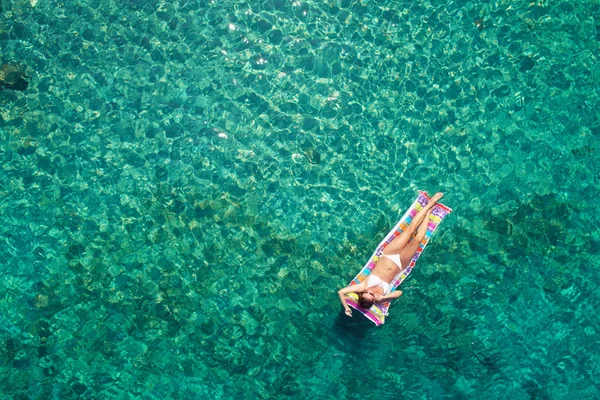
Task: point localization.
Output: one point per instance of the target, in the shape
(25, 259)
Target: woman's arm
(394, 295)
(349, 289)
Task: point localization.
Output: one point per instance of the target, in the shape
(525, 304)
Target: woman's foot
(434, 200)
(436, 197)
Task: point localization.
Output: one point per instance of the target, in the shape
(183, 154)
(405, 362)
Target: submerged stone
(526, 64)
(12, 76)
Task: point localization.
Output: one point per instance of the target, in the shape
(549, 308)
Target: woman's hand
(378, 297)
(359, 287)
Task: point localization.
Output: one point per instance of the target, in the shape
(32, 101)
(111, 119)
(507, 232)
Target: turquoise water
(185, 185)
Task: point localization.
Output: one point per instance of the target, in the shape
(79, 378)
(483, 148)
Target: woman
(396, 254)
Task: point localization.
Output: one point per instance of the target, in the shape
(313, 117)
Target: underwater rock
(41, 301)
(13, 76)
(526, 64)
(313, 156)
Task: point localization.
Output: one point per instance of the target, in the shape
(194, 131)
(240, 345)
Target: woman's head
(366, 300)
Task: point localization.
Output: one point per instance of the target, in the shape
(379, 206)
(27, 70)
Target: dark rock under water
(13, 76)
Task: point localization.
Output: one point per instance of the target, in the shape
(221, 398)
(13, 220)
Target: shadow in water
(355, 327)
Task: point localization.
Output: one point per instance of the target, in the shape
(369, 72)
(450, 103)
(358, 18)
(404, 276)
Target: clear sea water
(185, 185)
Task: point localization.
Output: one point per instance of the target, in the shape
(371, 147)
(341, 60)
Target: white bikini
(374, 280)
(395, 258)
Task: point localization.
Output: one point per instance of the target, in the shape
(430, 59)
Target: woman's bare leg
(398, 244)
(411, 248)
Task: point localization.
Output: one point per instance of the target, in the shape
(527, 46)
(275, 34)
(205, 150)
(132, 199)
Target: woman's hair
(364, 302)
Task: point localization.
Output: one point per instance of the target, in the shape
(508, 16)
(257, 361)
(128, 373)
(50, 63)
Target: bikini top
(374, 280)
